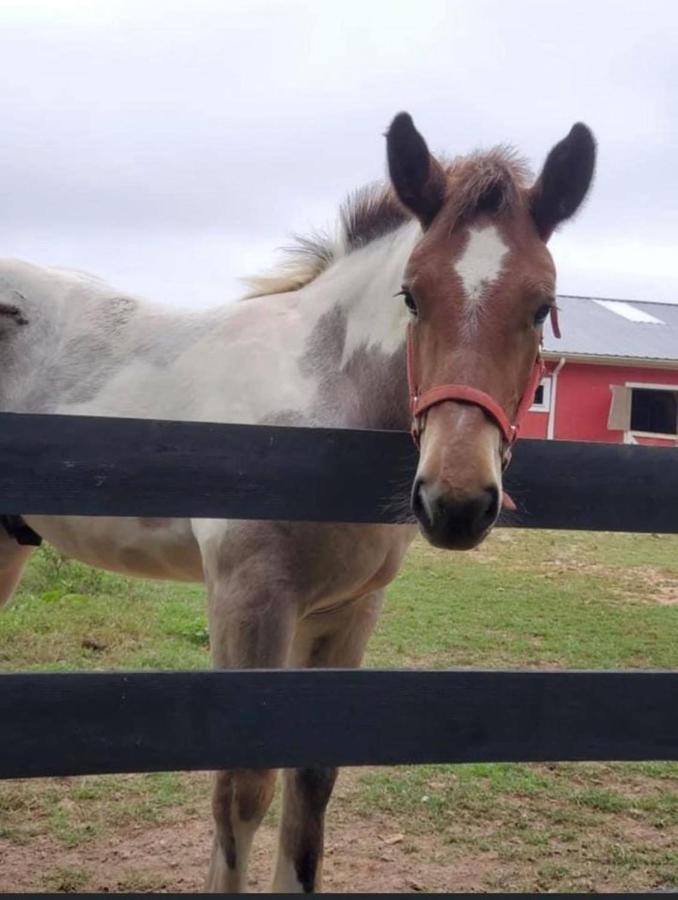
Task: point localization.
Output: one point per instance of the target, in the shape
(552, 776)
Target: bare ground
(363, 856)
(174, 858)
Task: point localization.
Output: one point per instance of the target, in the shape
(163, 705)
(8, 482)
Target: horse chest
(333, 563)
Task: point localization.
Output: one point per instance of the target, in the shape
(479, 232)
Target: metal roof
(595, 326)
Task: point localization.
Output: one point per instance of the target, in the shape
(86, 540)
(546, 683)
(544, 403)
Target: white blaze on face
(480, 264)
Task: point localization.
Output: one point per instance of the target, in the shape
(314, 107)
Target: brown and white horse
(446, 270)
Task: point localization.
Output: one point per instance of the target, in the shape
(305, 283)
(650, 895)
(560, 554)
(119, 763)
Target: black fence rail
(56, 724)
(77, 724)
(72, 465)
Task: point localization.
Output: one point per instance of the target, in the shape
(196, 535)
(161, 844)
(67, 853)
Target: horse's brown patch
(13, 313)
(222, 801)
(306, 797)
(346, 393)
(154, 524)
(254, 791)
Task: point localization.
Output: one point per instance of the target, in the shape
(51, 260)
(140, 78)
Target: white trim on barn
(649, 386)
(545, 405)
(635, 361)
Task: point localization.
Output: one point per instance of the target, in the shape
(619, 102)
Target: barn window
(653, 411)
(542, 397)
(649, 410)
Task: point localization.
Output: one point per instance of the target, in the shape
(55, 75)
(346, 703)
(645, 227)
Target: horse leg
(249, 628)
(13, 558)
(331, 640)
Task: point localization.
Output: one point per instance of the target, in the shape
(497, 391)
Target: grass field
(541, 599)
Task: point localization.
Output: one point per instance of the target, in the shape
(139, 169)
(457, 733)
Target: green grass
(436, 793)
(67, 616)
(512, 603)
(525, 599)
(78, 810)
(65, 879)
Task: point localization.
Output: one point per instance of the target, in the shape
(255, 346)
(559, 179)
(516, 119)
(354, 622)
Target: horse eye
(409, 301)
(541, 314)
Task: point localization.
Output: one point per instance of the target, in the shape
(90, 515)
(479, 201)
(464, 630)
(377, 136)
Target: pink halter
(421, 401)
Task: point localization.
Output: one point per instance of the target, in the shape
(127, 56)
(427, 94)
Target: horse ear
(418, 178)
(564, 181)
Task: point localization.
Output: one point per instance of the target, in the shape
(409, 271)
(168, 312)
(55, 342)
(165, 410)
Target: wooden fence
(61, 724)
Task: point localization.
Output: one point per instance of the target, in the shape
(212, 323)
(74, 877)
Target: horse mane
(491, 181)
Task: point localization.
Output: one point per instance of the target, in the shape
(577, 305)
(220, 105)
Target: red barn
(613, 376)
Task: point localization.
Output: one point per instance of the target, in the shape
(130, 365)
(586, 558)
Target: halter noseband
(420, 401)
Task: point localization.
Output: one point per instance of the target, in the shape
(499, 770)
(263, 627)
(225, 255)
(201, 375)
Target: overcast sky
(170, 147)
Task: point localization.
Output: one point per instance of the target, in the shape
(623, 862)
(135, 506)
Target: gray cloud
(172, 149)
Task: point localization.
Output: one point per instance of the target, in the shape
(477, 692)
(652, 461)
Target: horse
(424, 310)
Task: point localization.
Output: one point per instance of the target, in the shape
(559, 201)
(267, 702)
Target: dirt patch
(639, 584)
(658, 587)
(174, 858)
(372, 855)
(666, 594)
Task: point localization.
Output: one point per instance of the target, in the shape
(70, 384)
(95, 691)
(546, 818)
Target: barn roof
(631, 329)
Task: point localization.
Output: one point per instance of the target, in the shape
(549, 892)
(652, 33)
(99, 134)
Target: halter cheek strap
(420, 402)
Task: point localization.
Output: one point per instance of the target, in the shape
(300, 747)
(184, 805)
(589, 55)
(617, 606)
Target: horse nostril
(488, 507)
(454, 523)
(420, 506)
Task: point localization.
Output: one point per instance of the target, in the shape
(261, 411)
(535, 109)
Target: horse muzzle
(454, 523)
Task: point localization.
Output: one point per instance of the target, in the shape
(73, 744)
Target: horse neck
(356, 349)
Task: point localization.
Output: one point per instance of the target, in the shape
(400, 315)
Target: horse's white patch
(480, 264)
(285, 880)
(366, 284)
